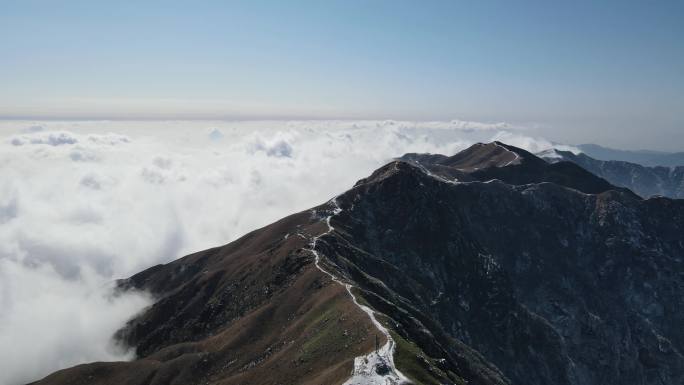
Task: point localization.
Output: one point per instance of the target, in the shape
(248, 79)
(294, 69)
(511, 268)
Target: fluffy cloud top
(84, 203)
(51, 138)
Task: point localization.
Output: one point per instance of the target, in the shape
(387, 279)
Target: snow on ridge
(551, 153)
(365, 367)
(515, 160)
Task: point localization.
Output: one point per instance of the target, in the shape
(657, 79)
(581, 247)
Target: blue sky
(574, 70)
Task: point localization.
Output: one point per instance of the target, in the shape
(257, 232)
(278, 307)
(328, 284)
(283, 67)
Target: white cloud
(215, 134)
(108, 139)
(49, 138)
(533, 145)
(83, 203)
(34, 128)
(49, 323)
(278, 146)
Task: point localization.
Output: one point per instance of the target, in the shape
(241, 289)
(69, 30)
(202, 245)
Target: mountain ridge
(643, 180)
(642, 157)
(515, 167)
(476, 276)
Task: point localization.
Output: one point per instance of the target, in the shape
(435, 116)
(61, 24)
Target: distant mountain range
(488, 267)
(642, 157)
(643, 180)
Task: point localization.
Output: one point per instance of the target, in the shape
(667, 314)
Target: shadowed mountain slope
(496, 160)
(488, 267)
(643, 180)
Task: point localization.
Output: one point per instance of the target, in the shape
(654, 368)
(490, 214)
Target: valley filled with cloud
(85, 203)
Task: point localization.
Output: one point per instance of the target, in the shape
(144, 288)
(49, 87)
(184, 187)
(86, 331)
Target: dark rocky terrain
(643, 180)
(488, 267)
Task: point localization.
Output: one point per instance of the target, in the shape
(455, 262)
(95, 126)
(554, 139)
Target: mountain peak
(391, 169)
(413, 277)
(511, 165)
(484, 155)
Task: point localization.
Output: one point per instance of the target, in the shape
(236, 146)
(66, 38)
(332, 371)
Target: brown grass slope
(256, 311)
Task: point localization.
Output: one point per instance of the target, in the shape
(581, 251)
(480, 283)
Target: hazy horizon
(608, 73)
(530, 131)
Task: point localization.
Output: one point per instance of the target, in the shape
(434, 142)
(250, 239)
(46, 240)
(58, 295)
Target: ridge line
(364, 372)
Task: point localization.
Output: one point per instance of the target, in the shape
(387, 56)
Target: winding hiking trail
(365, 372)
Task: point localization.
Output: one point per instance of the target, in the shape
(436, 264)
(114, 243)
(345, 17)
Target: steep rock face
(643, 180)
(488, 267)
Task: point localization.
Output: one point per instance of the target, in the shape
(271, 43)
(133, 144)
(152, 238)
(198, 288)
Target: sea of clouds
(85, 203)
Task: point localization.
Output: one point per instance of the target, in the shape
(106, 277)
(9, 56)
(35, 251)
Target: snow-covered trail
(365, 366)
(435, 176)
(516, 159)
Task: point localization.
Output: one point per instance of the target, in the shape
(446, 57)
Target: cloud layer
(84, 203)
